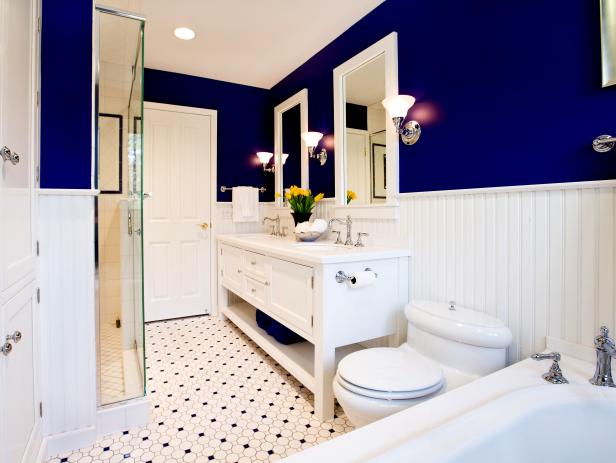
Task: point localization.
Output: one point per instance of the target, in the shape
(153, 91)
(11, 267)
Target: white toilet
(447, 346)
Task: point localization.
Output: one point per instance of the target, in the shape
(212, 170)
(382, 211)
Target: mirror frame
(300, 98)
(608, 38)
(387, 46)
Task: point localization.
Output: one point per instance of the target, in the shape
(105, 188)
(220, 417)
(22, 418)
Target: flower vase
(299, 217)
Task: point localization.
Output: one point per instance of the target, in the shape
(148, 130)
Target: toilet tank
(466, 340)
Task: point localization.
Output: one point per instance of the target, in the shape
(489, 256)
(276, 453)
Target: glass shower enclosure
(119, 237)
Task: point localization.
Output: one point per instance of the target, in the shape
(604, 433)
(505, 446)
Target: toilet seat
(389, 373)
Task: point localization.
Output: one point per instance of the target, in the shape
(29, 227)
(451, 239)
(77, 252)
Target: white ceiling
(248, 42)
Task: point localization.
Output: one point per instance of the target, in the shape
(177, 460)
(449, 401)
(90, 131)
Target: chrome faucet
(605, 349)
(276, 228)
(349, 224)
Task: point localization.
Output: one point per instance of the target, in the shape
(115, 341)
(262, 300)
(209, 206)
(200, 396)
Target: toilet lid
(394, 370)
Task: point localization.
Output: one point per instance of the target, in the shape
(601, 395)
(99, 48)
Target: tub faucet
(276, 229)
(349, 224)
(605, 349)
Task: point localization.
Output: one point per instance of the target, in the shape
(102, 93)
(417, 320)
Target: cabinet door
(291, 294)
(17, 369)
(231, 260)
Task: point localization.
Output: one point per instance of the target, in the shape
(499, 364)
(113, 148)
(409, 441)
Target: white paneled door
(19, 419)
(177, 231)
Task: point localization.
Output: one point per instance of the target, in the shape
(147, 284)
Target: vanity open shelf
(297, 287)
(297, 359)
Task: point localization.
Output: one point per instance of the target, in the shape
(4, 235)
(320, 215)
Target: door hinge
(38, 175)
(39, 24)
(38, 98)
(312, 282)
(312, 320)
(221, 251)
(38, 248)
(38, 295)
(41, 409)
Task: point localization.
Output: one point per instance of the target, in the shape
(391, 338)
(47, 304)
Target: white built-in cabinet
(20, 409)
(302, 293)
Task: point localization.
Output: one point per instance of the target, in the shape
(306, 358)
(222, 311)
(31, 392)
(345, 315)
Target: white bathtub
(510, 416)
(538, 424)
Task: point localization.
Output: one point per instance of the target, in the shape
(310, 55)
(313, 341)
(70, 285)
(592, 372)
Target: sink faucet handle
(338, 240)
(555, 374)
(359, 243)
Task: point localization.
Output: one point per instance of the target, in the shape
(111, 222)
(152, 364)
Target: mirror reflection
(291, 152)
(365, 125)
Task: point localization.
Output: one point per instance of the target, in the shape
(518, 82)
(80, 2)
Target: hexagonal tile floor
(215, 396)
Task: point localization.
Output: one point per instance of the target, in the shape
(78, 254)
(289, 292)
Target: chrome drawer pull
(253, 290)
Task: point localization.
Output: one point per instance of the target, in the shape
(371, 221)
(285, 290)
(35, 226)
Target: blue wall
(508, 93)
(244, 123)
(66, 94)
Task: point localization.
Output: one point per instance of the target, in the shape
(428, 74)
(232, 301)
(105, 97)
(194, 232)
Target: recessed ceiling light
(184, 33)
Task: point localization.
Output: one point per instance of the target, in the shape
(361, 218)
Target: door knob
(6, 348)
(8, 155)
(15, 337)
(204, 226)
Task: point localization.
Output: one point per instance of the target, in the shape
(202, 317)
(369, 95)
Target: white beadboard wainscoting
(542, 258)
(67, 319)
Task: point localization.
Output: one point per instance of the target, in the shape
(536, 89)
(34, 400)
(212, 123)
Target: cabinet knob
(253, 262)
(253, 290)
(15, 337)
(239, 271)
(7, 348)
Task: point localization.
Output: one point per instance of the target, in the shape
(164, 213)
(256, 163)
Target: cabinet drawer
(256, 292)
(256, 264)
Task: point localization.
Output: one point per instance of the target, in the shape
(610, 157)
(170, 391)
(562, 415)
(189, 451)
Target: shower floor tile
(215, 396)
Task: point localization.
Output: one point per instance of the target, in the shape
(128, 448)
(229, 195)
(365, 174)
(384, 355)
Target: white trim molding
(67, 192)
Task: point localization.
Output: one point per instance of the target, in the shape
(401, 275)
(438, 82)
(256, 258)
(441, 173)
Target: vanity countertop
(318, 252)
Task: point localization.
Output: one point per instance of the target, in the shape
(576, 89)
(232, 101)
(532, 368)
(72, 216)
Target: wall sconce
(264, 158)
(312, 140)
(397, 107)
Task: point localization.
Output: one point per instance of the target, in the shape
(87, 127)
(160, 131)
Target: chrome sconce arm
(311, 139)
(398, 106)
(603, 143)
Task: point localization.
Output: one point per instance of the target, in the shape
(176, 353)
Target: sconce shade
(284, 158)
(264, 157)
(312, 138)
(398, 105)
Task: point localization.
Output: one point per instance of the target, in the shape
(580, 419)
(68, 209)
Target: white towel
(245, 200)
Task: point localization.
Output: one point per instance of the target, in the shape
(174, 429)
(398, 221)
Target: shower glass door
(119, 105)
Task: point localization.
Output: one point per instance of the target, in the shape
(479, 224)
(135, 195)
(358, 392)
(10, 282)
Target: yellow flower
(287, 195)
(318, 197)
(350, 196)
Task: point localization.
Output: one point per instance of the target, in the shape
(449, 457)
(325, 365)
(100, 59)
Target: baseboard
(67, 441)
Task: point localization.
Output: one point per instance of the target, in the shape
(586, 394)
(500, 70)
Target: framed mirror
(608, 42)
(290, 151)
(365, 138)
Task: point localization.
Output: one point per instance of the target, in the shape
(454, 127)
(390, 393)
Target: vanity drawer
(255, 292)
(256, 264)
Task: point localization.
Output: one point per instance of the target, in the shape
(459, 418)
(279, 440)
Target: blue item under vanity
(277, 330)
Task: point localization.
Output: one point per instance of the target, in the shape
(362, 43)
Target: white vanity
(295, 284)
